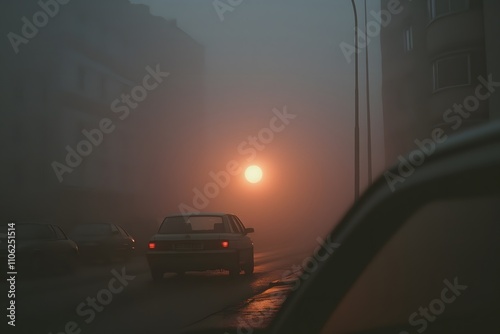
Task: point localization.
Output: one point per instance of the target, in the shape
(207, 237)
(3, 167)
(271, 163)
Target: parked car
(103, 241)
(201, 241)
(421, 258)
(40, 248)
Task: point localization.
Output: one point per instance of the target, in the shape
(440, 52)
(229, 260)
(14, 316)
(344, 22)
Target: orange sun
(253, 174)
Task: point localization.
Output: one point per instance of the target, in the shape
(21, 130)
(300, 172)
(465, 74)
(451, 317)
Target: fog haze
(271, 54)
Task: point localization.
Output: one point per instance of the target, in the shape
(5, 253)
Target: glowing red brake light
(152, 245)
(225, 244)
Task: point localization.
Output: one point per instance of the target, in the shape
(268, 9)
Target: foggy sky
(270, 54)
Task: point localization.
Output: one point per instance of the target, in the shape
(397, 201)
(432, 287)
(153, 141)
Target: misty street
(60, 304)
(249, 166)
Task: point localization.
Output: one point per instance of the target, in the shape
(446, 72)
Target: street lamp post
(368, 116)
(356, 105)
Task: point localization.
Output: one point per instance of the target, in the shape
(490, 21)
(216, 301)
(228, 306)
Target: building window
(452, 71)
(438, 8)
(408, 39)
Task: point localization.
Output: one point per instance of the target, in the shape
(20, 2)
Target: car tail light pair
(224, 244)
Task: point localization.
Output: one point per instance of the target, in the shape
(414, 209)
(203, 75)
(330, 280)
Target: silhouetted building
(64, 77)
(434, 56)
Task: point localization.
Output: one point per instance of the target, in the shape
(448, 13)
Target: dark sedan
(103, 242)
(201, 241)
(40, 248)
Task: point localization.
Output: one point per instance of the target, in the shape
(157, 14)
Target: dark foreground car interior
(422, 258)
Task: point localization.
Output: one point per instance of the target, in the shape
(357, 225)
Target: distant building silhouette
(433, 54)
(65, 79)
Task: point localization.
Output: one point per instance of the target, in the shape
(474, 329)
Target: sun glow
(253, 174)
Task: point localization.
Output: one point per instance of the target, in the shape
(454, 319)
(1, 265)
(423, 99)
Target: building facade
(98, 112)
(435, 54)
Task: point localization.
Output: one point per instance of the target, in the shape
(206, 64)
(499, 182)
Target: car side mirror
(249, 230)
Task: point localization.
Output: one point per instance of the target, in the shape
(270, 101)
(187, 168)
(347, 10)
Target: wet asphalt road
(122, 298)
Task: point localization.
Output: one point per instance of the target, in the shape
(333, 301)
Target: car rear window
(198, 224)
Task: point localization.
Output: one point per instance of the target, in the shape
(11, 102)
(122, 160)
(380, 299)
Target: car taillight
(152, 245)
(224, 244)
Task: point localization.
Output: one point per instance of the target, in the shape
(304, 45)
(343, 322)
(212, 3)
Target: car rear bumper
(172, 261)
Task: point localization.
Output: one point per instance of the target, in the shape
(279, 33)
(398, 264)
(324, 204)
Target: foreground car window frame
(472, 158)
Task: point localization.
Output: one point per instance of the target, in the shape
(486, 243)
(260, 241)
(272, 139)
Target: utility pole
(368, 116)
(356, 104)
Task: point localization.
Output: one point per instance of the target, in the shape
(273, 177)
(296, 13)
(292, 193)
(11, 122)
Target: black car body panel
(40, 248)
(103, 241)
